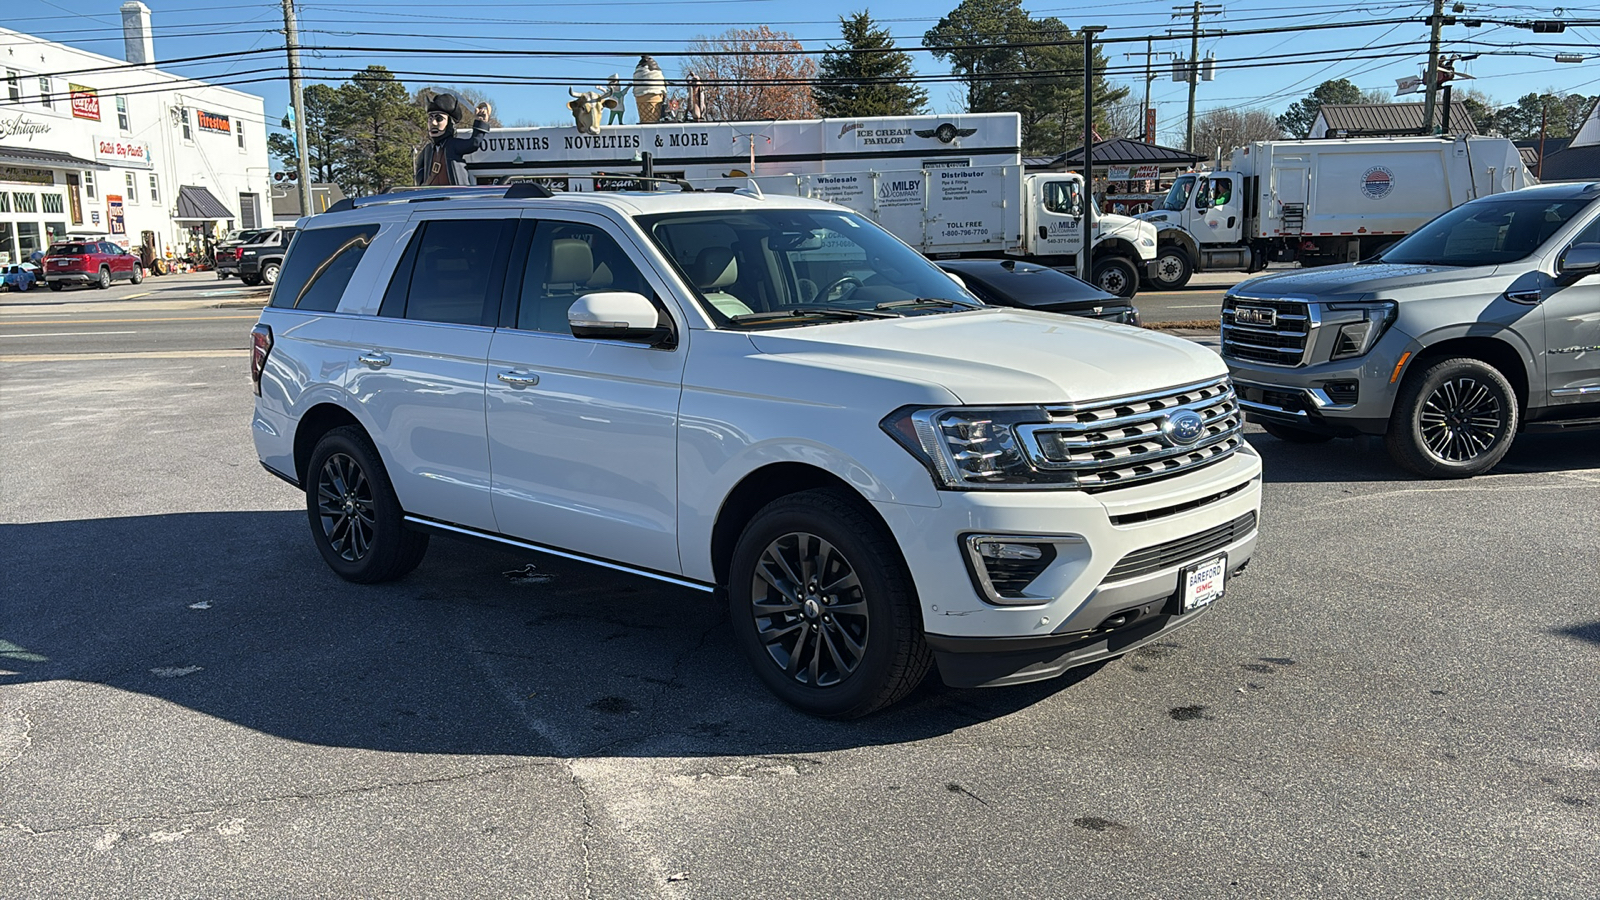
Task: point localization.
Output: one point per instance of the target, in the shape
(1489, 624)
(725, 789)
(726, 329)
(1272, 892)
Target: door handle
(517, 379)
(375, 359)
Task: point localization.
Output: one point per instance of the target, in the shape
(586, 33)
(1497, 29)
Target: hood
(1002, 356)
(1125, 227)
(1358, 280)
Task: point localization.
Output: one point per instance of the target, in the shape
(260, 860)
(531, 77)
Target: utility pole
(1150, 55)
(1431, 83)
(291, 36)
(1195, 12)
(1089, 31)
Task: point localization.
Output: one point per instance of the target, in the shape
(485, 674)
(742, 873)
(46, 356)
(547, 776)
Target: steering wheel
(850, 280)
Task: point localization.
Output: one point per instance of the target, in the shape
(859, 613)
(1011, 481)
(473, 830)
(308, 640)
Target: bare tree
(742, 85)
(1221, 131)
(1121, 120)
(469, 96)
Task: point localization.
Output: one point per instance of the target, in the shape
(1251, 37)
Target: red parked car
(90, 262)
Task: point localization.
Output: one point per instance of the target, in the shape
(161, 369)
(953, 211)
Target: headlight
(1356, 338)
(973, 447)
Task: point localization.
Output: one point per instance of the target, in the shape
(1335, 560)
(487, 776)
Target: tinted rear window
(67, 250)
(319, 266)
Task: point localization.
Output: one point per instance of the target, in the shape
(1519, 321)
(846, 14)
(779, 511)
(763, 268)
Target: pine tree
(867, 84)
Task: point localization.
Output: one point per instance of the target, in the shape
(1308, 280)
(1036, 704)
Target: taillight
(238, 253)
(260, 346)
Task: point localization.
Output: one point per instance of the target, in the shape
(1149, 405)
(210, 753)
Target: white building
(91, 145)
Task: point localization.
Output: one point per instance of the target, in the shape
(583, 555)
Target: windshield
(1179, 194)
(784, 267)
(1485, 233)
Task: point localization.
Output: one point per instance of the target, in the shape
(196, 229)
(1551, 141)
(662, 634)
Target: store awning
(50, 159)
(196, 204)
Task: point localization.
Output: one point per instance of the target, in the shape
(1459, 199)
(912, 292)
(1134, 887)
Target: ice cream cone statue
(649, 90)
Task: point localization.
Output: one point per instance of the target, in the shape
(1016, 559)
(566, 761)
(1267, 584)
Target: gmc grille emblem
(1256, 315)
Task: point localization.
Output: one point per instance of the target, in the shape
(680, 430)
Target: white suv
(771, 396)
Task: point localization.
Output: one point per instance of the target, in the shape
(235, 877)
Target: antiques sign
(22, 126)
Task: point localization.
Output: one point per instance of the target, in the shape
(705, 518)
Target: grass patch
(1207, 324)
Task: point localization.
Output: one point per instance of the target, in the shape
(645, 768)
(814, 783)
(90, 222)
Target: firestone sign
(212, 122)
(122, 153)
(85, 102)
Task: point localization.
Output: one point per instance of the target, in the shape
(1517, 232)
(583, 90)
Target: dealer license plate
(1204, 582)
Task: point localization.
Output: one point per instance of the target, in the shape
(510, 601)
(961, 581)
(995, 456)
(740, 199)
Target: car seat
(714, 269)
(571, 269)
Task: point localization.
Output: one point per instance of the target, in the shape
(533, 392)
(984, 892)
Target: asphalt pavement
(1396, 699)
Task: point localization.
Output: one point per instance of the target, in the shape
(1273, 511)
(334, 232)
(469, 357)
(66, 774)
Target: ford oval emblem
(1184, 426)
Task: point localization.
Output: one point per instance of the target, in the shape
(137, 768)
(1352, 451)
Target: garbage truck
(951, 186)
(1319, 202)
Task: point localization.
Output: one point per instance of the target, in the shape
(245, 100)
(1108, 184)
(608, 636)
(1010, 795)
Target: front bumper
(1076, 610)
(1345, 398)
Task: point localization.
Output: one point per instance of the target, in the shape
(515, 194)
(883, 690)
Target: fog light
(1002, 566)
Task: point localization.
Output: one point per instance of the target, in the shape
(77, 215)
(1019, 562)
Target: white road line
(1201, 306)
(65, 334)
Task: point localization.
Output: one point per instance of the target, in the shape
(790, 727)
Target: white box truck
(1320, 202)
(949, 185)
(996, 211)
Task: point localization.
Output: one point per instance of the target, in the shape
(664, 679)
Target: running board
(458, 531)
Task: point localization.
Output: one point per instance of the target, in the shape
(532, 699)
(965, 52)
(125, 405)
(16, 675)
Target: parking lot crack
(587, 828)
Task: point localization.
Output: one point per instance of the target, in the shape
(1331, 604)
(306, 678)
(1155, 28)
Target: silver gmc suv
(1482, 323)
(770, 398)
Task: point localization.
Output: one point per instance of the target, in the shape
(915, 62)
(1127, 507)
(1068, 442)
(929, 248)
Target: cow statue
(586, 110)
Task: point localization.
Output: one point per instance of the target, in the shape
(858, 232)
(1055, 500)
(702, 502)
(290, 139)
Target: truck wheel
(823, 607)
(1115, 275)
(1171, 270)
(1294, 435)
(56, 285)
(355, 515)
(1454, 420)
(269, 273)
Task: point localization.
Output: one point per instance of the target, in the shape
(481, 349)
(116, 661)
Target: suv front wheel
(823, 606)
(1454, 420)
(356, 520)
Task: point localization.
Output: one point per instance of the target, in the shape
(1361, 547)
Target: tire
(1115, 275)
(105, 279)
(138, 275)
(1295, 435)
(1456, 419)
(870, 624)
(221, 275)
(269, 273)
(250, 280)
(56, 285)
(1172, 268)
(356, 520)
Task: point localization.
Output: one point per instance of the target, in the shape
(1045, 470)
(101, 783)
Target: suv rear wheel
(104, 280)
(355, 516)
(1454, 420)
(823, 607)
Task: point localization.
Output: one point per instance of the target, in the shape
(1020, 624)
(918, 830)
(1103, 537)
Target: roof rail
(519, 191)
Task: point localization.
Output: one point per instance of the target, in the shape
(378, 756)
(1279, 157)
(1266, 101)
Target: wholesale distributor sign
(213, 122)
(85, 101)
(122, 152)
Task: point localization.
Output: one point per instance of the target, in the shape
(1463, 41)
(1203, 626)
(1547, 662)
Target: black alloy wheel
(356, 519)
(1457, 419)
(823, 607)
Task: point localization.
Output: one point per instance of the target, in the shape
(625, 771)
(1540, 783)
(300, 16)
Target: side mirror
(618, 316)
(1076, 209)
(956, 278)
(1579, 261)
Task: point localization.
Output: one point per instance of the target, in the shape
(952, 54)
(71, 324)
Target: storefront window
(5, 202)
(8, 243)
(54, 231)
(28, 238)
(53, 203)
(25, 203)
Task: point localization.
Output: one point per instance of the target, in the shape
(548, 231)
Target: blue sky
(1256, 70)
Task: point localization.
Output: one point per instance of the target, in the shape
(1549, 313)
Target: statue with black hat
(440, 160)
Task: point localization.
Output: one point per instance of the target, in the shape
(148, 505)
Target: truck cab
(1122, 247)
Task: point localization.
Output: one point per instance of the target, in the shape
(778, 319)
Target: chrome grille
(1118, 442)
(1270, 332)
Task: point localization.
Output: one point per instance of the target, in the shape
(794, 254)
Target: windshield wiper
(812, 312)
(926, 301)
